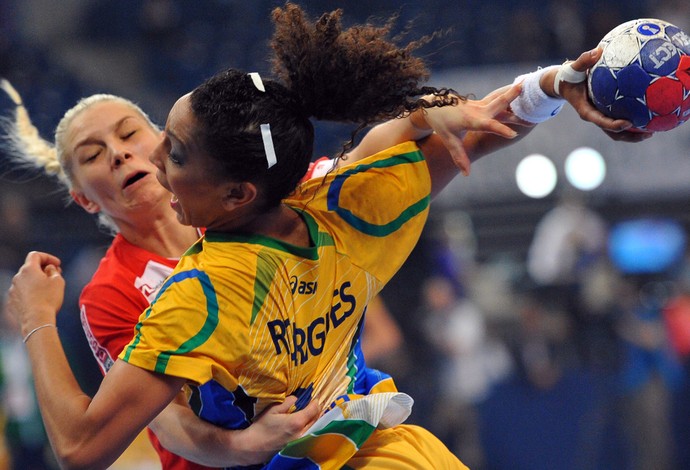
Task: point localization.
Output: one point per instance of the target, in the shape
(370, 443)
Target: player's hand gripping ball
(643, 75)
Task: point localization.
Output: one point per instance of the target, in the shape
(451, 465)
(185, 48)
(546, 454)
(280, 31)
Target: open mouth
(134, 178)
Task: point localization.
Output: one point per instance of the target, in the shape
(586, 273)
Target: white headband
(269, 149)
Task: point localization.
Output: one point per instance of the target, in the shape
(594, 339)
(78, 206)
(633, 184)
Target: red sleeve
(318, 168)
(109, 314)
(111, 305)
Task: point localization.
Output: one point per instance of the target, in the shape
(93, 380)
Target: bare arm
(89, 433)
(382, 335)
(184, 433)
(84, 432)
(487, 116)
(473, 129)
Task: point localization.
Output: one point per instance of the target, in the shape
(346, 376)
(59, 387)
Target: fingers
(285, 407)
(494, 107)
(617, 129)
(497, 109)
(498, 100)
(589, 113)
(501, 101)
(302, 419)
(42, 260)
(457, 152)
(51, 270)
(310, 414)
(490, 96)
(629, 136)
(587, 60)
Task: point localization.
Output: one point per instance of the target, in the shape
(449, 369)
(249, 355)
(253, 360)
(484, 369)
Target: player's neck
(169, 239)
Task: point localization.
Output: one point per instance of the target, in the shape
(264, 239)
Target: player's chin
(181, 216)
(183, 220)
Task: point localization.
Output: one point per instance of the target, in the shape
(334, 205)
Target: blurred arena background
(569, 342)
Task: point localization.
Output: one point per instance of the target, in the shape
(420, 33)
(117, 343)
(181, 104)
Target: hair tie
(266, 136)
(258, 83)
(268, 145)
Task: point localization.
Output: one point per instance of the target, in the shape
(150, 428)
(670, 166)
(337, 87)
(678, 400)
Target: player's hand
(576, 94)
(37, 292)
(277, 426)
(489, 114)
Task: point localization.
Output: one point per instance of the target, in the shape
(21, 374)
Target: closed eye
(92, 157)
(174, 159)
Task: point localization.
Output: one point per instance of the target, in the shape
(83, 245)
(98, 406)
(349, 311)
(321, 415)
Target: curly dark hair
(355, 75)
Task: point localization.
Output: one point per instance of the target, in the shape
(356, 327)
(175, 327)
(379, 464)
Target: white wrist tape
(566, 73)
(533, 105)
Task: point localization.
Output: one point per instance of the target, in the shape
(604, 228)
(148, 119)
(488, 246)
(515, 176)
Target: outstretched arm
(488, 116)
(477, 128)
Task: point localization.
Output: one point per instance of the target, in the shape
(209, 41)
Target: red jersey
(127, 279)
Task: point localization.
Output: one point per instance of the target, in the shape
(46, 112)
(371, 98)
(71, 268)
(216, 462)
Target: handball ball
(643, 75)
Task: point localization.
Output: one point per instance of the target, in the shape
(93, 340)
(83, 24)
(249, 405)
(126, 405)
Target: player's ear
(87, 204)
(238, 195)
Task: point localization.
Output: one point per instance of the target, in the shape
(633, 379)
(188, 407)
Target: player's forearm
(86, 432)
(480, 144)
(61, 400)
(390, 133)
(183, 433)
(477, 144)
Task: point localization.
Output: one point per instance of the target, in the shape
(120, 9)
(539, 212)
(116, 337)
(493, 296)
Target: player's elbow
(80, 457)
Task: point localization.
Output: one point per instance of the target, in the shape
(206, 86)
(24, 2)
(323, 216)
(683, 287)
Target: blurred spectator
(526, 38)
(382, 338)
(541, 344)
(677, 319)
(566, 27)
(649, 373)
(568, 238)
(568, 241)
(454, 247)
(470, 364)
(27, 442)
(14, 229)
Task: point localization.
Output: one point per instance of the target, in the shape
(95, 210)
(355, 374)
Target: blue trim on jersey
(211, 315)
(220, 407)
(206, 330)
(365, 378)
(376, 230)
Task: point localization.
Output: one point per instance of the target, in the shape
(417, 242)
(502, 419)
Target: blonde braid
(28, 148)
(25, 141)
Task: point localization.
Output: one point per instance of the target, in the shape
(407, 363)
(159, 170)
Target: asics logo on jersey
(302, 287)
(302, 341)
